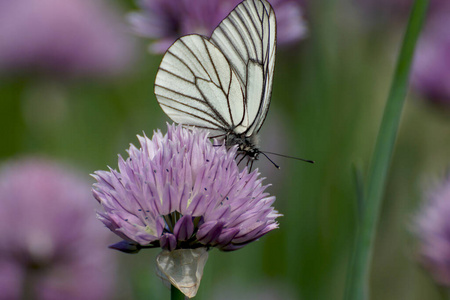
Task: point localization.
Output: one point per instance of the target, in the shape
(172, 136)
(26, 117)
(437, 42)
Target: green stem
(444, 292)
(358, 278)
(175, 294)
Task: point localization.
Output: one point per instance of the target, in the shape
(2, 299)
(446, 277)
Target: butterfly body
(248, 146)
(223, 83)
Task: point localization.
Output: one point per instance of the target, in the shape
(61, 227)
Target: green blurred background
(328, 96)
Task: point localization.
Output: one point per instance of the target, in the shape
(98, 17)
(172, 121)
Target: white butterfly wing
(195, 85)
(247, 38)
(222, 84)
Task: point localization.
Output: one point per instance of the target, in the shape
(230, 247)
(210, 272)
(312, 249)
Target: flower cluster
(51, 245)
(433, 228)
(179, 191)
(166, 20)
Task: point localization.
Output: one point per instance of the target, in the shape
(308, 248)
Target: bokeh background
(328, 96)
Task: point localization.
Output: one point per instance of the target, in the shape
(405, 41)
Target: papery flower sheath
(433, 228)
(179, 191)
(166, 20)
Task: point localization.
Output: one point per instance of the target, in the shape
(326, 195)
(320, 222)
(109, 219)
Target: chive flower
(181, 192)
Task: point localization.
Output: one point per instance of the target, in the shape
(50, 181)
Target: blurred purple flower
(75, 37)
(394, 9)
(430, 75)
(431, 69)
(179, 191)
(51, 246)
(166, 20)
(383, 8)
(433, 228)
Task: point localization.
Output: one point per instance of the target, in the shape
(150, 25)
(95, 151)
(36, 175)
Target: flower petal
(184, 228)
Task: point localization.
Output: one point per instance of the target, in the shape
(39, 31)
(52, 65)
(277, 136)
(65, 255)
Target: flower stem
(358, 277)
(175, 294)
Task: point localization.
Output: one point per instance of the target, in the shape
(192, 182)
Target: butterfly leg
(243, 156)
(251, 165)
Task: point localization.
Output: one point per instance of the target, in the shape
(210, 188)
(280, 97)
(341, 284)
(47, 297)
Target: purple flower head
(51, 246)
(433, 229)
(72, 37)
(431, 69)
(179, 191)
(166, 20)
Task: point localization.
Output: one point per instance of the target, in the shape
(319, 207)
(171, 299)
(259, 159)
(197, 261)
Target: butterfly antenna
(276, 166)
(286, 156)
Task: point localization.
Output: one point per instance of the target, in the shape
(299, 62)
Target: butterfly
(223, 83)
